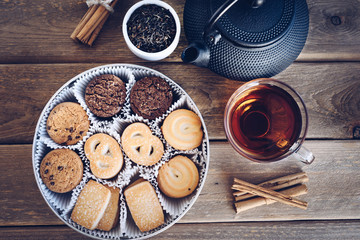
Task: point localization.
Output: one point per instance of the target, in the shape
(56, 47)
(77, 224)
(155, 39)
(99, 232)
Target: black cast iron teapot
(245, 39)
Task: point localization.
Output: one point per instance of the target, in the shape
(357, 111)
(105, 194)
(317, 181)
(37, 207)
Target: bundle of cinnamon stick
(282, 190)
(92, 22)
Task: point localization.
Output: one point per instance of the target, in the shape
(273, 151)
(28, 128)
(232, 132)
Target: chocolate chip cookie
(105, 95)
(67, 123)
(151, 97)
(61, 170)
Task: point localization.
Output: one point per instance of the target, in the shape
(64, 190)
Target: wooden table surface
(37, 57)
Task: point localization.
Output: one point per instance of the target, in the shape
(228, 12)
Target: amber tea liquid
(265, 122)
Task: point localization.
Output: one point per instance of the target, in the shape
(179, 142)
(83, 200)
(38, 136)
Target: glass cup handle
(304, 155)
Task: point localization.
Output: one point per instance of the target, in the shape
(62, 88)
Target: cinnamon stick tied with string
(268, 193)
(92, 22)
(275, 184)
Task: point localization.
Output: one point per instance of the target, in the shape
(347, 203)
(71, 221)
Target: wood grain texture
(330, 91)
(37, 57)
(39, 32)
(333, 32)
(253, 230)
(333, 186)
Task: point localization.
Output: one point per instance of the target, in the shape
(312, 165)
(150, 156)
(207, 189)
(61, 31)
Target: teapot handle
(223, 9)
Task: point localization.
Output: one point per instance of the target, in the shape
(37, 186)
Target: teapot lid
(250, 26)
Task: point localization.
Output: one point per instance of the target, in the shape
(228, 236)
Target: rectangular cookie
(111, 215)
(91, 205)
(144, 205)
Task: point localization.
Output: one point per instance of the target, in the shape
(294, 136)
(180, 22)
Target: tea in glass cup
(266, 120)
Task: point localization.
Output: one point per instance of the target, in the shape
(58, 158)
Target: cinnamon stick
(92, 22)
(294, 191)
(96, 32)
(267, 193)
(275, 184)
(83, 21)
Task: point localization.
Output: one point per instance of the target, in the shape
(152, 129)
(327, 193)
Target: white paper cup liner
(123, 177)
(176, 206)
(120, 125)
(74, 91)
(129, 228)
(58, 201)
(66, 95)
(125, 74)
(139, 74)
(133, 232)
(114, 233)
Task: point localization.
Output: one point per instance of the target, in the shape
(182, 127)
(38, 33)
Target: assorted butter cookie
(105, 95)
(178, 178)
(144, 205)
(61, 170)
(182, 129)
(111, 215)
(151, 97)
(91, 205)
(67, 123)
(140, 145)
(98, 205)
(104, 154)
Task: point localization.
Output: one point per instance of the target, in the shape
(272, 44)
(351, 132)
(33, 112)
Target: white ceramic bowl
(156, 55)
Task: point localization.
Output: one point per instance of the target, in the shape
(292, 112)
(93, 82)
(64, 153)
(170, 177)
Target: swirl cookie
(67, 123)
(61, 170)
(178, 178)
(150, 97)
(104, 154)
(105, 95)
(182, 129)
(140, 145)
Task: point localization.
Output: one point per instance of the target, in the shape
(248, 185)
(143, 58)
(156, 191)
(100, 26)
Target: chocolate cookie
(151, 97)
(67, 123)
(61, 170)
(105, 95)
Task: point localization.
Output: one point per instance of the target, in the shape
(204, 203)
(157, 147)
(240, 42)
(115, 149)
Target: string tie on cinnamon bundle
(104, 3)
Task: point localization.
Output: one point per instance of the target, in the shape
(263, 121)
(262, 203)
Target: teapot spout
(196, 53)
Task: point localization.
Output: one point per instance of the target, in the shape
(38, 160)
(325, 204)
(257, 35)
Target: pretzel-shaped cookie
(104, 154)
(140, 145)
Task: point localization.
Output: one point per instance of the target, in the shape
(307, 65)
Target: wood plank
(48, 25)
(38, 32)
(330, 91)
(333, 186)
(252, 230)
(333, 24)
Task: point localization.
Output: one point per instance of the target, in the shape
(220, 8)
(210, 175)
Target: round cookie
(104, 154)
(61, 170)
(182, 129)
(178, 178)
(151, 97)
(67, 123)
(140, 145)
(105, 95)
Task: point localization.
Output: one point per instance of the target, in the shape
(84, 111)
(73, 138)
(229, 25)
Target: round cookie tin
(63, 203)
